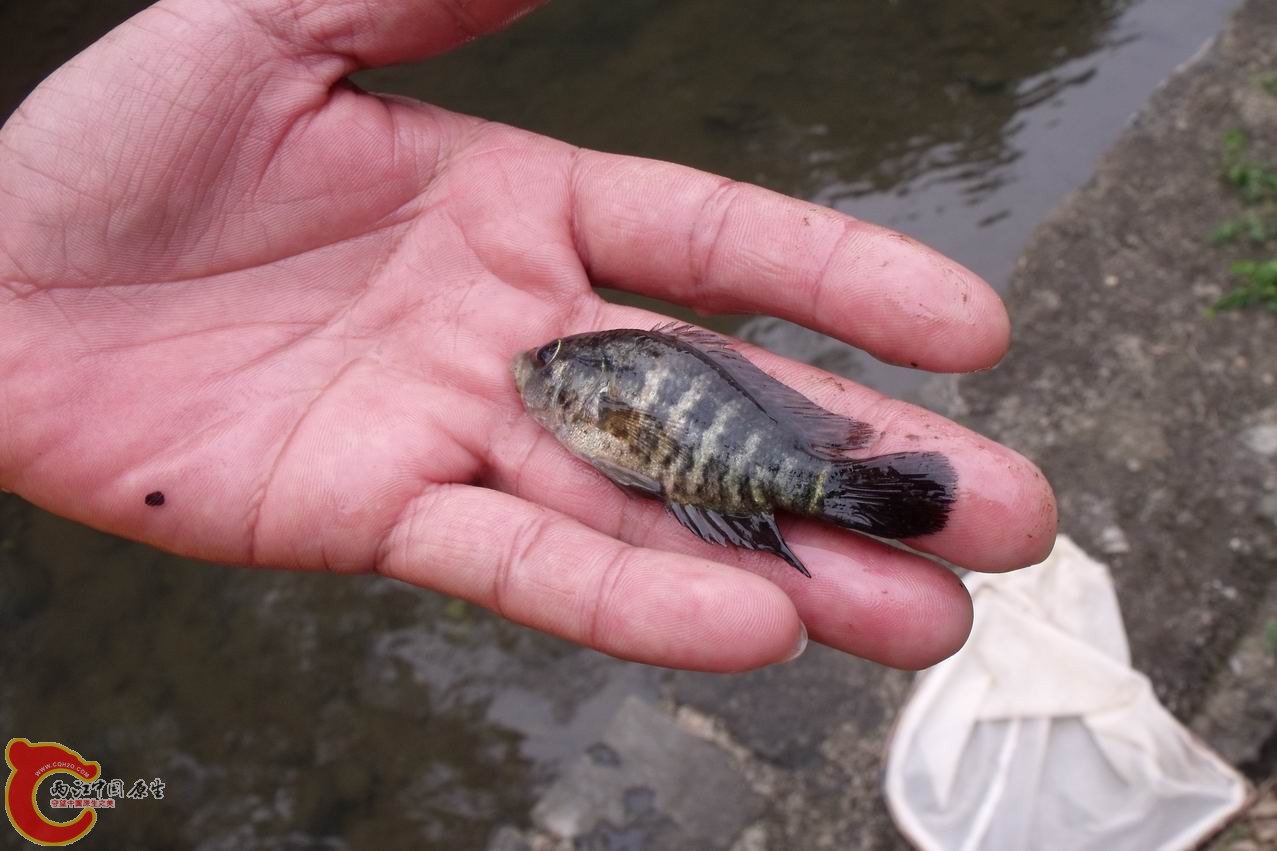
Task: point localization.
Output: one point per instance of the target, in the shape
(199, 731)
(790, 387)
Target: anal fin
(748, 531)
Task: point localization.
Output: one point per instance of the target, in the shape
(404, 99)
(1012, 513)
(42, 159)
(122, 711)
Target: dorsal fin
(828, 434)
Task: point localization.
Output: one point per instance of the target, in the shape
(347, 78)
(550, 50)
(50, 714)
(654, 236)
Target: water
(288, 710)
(961, 124)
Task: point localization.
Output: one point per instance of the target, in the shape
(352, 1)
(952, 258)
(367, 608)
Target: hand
(291, 307)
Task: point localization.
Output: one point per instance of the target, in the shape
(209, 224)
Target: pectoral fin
(642, 432)
(749, 531)
(646, 433)
(628, 479)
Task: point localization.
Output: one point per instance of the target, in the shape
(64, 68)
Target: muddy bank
(1152, 419)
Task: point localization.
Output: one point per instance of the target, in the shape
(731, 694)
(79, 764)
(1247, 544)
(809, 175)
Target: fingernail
(802, 643)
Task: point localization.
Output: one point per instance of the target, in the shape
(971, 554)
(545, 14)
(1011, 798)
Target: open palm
(228, 276)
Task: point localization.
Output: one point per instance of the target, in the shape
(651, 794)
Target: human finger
(374, 33)
(864, 597)
(726, 247)
(1003, 515)
(540, 568)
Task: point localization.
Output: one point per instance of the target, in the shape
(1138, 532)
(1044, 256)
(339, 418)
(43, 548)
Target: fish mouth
(533, 384)
(522, 369)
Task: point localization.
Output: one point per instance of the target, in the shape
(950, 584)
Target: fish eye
(547, 353)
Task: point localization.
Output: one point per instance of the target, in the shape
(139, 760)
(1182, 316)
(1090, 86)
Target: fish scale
(676, 414)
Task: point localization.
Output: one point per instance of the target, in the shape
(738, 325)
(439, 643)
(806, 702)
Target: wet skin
(676, 414)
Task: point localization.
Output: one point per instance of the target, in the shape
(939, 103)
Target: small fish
(675, 414)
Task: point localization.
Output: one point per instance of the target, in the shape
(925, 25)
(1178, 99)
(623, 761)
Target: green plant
(1256, 186)
(1270, 634)
(1258, 285)
(1268, 82)
(1254, 181)
(1257, 228)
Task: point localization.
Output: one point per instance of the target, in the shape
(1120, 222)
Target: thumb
(208, 136)
(382, 32)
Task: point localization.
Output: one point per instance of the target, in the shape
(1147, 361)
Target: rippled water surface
(959, 123)
(298, 711)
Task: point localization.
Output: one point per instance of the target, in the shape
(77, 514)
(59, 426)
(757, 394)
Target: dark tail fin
(904, 495)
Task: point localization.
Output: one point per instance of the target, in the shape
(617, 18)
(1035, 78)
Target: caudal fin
(904, 495)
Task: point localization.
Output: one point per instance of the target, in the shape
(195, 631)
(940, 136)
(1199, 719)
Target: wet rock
(601, 754)
(1265, 809)
(1268, 506)
(753, 839)
(814, 731)
(1113, 541)
(830, 688)
(649, 785)
(509, 839)
(1240, 712)
(1261, 439)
